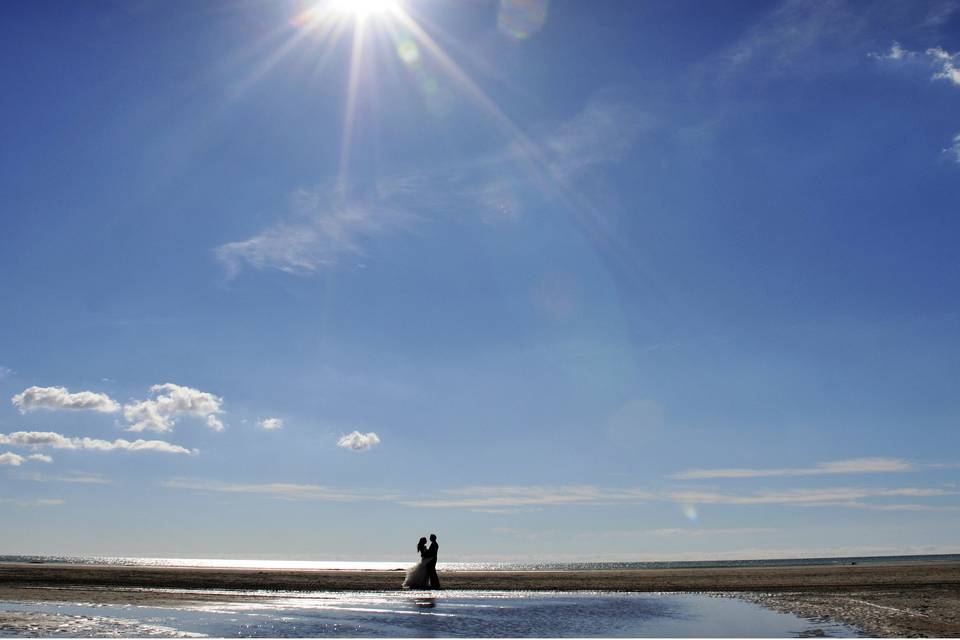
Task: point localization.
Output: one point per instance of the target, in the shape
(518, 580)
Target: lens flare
(363, 8)
(520, 19)
(690, 512)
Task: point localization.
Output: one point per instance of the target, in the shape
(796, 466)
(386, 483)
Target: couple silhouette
(423, 575)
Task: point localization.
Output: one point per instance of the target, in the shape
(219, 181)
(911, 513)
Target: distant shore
(899, 599)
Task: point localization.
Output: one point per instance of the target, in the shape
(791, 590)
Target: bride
(417, 574)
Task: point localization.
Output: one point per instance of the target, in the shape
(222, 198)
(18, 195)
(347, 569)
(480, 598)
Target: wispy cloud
(486, 497)
(896, 52)
(356, 441)
(172, 401)
(852, 466)
(40, 502)
(699, 533)
(508, 499)
(60, 398)
(840, 497)
(790, 40)
(332, 222)
(282, 490)
(59, 441)
(954, 149)
(73, 477)
(40, 457)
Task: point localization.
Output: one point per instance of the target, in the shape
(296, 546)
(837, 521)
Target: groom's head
(433, 537)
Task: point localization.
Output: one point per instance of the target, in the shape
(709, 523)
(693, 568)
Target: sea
(391, 565)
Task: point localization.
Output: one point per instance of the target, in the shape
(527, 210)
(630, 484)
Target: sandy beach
(896, 599)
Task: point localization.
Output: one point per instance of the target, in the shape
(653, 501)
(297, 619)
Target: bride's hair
(422, 544)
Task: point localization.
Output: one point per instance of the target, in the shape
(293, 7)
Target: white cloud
(944, 62)
(896, 52)
(11, 459)
(954, 149)
(56, 398)
(947, 62)
(40, 457)
(173, 400)
(60, 441)
(854, 465)
(270, 423)
(4, 372)
(282, 490)
(331, 222)
(357, 441)
(214, 423)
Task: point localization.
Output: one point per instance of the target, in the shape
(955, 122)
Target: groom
(432, 562)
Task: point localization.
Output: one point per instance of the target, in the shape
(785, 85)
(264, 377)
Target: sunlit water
(387, 565)
(449, 614)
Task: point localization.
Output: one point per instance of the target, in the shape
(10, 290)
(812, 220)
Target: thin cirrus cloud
(827, 497)
(172, 401)
(839, 467)
(356, 441)
(485, 497)
(509, 498)
(279, 490)
(73, 477)
(60, 398)
(60, 441)
(40, 502)
(329, 223)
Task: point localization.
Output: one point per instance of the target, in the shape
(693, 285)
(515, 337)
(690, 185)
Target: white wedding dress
(417, 576)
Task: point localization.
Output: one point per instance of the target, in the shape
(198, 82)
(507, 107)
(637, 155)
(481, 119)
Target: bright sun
(364, 8)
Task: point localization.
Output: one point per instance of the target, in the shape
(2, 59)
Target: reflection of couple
(423, 575)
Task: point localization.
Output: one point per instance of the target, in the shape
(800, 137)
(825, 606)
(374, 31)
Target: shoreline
(896, 599)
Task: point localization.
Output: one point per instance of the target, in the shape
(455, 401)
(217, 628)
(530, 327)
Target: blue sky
(555, 280)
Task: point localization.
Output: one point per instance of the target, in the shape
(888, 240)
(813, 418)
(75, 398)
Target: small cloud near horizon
(851, 466)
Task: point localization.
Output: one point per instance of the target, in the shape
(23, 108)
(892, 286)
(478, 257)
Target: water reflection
(457, 614)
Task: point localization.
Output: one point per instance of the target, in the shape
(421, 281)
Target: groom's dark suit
(432, 565)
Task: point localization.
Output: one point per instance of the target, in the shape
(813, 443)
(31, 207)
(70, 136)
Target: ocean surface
(460, 566)
(449, 615)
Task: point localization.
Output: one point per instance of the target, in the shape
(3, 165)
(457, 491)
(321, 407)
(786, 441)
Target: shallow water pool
(447, 614)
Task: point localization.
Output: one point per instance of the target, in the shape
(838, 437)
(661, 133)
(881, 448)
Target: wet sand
(896, 599)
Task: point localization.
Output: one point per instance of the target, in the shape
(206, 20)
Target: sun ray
(356, 60)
